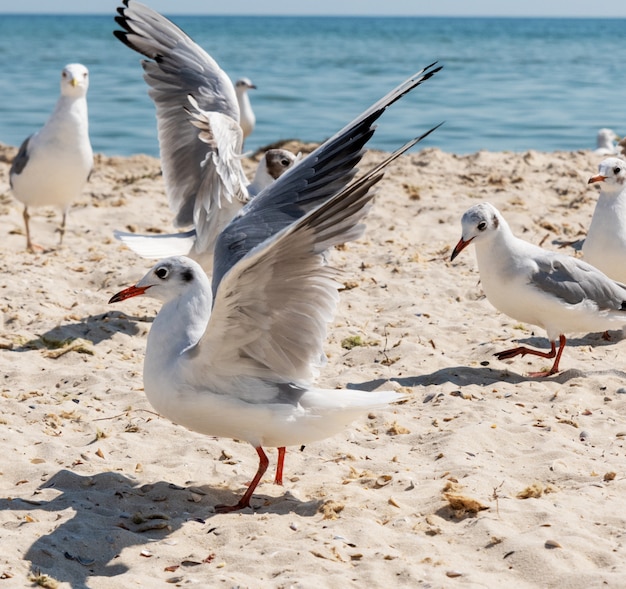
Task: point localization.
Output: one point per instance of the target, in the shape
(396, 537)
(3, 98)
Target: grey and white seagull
(200, 137)
(559, 293)
(605, 244)
(53, 165)
(237, 357)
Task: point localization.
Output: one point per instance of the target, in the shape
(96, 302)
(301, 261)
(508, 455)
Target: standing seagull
(247, 120)
(236, 358)
(53, 165)
(204, 178)
(605, 244)
(554, 291)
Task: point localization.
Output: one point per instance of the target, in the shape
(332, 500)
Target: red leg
(245, 500)
(278, 480)
(522, 351)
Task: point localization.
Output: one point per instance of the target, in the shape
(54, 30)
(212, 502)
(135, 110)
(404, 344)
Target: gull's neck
(69, 117)
(178, 327)
(613, 196)
(499, 250)
(246, 115)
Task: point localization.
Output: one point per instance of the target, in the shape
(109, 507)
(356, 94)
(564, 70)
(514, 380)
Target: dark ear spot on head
(495, 221)
(187, 276)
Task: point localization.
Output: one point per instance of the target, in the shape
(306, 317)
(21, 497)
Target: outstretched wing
(271, 309)
(199, 177)
(311, 181)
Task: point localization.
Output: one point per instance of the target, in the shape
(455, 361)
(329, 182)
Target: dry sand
(483, 478)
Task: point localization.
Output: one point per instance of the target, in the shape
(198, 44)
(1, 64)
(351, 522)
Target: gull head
(478, 223)
(611, 171)
(167, 280)
(242, 85)
(74, 80)
(278, 161)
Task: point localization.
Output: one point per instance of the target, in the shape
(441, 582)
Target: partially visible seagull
(272, 165)
(247, 120)
(605, 142)
(53, 165)
(237, 357)
(559, 293)
(204, 178)
(605, 244)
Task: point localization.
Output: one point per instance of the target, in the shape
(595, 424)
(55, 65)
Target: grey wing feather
(20, 160)
(575, 281)
(271, 309)
(310, 182)
(179, 68)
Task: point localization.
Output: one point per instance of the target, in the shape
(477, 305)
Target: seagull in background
(204, 178)
(605, 244)
(53, 165)
(556, 292)
(605, 142)
(236, 357)
(247, 119)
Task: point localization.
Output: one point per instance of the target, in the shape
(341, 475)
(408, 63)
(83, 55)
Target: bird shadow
(94, 329)
(484, 375)
(576, 245)
(462, 376)
(110, 512)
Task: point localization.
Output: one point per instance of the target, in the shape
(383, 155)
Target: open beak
(127, 293)
(597, 178)
(460, 247)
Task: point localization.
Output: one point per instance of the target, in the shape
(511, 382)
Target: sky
(563, 8)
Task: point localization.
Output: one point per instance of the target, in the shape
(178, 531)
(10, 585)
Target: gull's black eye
(617, 170)
(161, 272)
(285, 162)
(482, 226)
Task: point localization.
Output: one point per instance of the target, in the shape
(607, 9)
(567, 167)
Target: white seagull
(605, 142)
(204, 178)
(53, 165)
(605, 244)
(237, 358)
(247, 120)
(559, 293)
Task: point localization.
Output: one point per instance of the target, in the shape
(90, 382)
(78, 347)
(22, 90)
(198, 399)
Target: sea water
(507, 84)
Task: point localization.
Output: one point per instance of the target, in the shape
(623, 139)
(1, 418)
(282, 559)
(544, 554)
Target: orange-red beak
(596, 178)
(460, 247)
(127, 293)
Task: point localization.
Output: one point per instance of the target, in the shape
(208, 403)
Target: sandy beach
(483, 478)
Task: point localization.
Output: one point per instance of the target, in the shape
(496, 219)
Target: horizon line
(315, 15)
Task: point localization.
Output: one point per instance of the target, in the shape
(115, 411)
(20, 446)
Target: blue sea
(507, 84)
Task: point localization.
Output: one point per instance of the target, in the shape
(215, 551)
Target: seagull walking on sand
(605, 244)
(200, 137)
(559, 293)
(237, 357)
(53, 165)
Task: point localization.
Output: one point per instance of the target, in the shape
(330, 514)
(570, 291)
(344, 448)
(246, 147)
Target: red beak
(460, 247)
(127, 293)
(598, 178)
